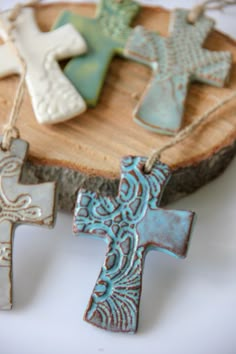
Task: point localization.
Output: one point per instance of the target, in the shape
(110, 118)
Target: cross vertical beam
(6, 231)
(19, 204)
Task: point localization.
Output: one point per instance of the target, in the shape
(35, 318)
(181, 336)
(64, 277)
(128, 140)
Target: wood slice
(86, 150)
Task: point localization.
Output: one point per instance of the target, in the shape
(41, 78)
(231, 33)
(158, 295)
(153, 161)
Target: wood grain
(94, 142)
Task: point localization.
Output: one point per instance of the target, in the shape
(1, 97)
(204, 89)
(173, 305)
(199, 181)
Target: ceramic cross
(53, 97)
(106, 35)
(176, 61)
(132, 224)
(19, 204)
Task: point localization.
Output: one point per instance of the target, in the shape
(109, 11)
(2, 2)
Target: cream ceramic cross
(54, 98)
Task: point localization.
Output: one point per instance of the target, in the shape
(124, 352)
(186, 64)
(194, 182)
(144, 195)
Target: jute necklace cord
(20, 203)
(194, 14)
(198, 10)
(10, 130)
(133, 221)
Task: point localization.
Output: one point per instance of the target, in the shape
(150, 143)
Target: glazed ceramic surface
(106, 36)
(132, 224)
(19, 204)
(54, 98)
(176, 61)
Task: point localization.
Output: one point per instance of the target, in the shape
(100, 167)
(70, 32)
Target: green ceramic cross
(106, 36)
(176, 61)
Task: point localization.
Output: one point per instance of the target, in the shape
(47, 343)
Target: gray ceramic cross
(19, 204)
(176, 61)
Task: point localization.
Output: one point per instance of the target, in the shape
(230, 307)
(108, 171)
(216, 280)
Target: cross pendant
(176, 61)
(19, 204)
(132, 224)
(54, 98)
(106, 36)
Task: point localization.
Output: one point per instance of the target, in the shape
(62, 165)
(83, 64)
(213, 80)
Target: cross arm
(27, 204)
(73, 43)
(142, 46)
(169, 232)
(46, 204)
(216, 70)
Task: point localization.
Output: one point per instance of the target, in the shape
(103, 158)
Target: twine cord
(199, 9)
(192, 18)
(183, 134)
(10, 130)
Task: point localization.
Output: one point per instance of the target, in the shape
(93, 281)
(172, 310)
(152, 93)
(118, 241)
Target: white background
(187, 307)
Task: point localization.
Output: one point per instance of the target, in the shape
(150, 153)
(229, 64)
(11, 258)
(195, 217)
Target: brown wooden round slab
(87, 150)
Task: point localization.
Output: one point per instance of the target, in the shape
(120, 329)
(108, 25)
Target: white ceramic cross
(54, 98)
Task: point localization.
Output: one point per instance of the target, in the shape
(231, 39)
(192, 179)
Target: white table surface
(187, 307)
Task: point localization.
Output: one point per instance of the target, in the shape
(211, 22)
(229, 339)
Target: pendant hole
(3, 149)
(145, 172)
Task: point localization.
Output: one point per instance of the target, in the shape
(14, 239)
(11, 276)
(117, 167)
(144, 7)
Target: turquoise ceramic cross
(132, 224)
(106, 36)
(176, 61)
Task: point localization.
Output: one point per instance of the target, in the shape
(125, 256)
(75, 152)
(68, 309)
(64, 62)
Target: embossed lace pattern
(115, 17)
(116, 295)
(18, 210)
(58, 89)
(182, 51)
(21, 208)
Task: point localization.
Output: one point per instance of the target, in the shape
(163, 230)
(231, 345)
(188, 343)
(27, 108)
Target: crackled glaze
(132, 224)
(54, 98)
(19, 204)
(176, 61)
(106, 35)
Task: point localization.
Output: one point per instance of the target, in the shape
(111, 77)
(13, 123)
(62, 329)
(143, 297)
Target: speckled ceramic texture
(176, 61)
(106, 36)
(19, 204)
(54, 98)
(132, 224)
